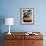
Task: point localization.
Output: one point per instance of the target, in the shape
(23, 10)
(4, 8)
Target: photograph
(26, 15)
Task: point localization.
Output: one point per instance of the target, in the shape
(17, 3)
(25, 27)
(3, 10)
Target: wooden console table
(20, 39)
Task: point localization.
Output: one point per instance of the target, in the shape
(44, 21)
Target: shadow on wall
(2, 21)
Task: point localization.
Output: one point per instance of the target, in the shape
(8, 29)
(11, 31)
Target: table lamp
(9, 21)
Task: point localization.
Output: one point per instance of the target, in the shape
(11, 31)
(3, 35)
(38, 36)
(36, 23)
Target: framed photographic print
(26, 15)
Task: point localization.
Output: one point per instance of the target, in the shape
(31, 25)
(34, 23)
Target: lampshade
(9, 21)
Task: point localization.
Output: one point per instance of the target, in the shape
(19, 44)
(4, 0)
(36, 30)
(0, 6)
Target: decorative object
(26, 16)
(9, 21)
(30, 33)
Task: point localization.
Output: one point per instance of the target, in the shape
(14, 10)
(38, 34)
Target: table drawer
(34, 37)
(33, 43)
(13, 43)
(16, 37)
(9, 43)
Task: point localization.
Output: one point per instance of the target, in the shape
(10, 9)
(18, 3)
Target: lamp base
(9, 33)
